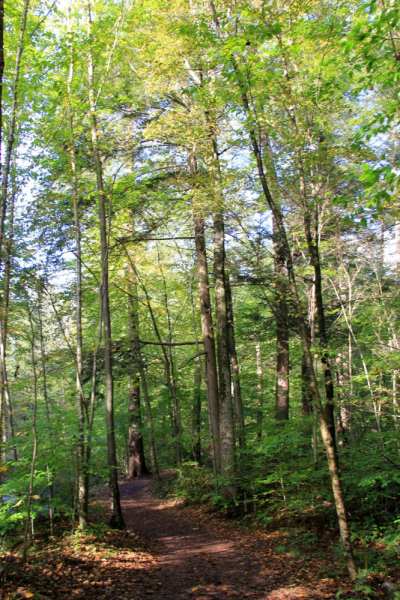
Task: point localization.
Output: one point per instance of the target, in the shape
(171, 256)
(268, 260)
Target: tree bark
(225, 398)
(83, 473)
(282, 329)
(137, 463)
(34, 433)
(207, 326)
(196, 418)
(117, 520)
(237, 392)
(260, 390)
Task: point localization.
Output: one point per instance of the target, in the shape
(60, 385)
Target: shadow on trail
(167, 554)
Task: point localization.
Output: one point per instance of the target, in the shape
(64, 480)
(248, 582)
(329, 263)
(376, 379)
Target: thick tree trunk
(137, 464)
(117, 520)
(237, 392)
(282, 329)
(207, 327)
(225, 398)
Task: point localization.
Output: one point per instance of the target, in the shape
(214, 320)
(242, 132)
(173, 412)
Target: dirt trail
(194, 561)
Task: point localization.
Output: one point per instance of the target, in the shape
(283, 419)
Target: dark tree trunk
(306, 391)
(137, 464)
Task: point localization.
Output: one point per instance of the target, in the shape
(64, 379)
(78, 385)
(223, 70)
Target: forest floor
(174, 552)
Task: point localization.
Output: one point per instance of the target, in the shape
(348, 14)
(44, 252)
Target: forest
(199, 290)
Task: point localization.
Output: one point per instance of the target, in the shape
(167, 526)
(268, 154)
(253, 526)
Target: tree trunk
(5, 395)
(282, 329)
(207, 326)
(260, 390)
(225, 398)
(137, 464)
(196, 418)
(83, 473)
(170, 373)
(149, 418)
(5, 389)
(117, 520)
(237, 392)
(34, 432)
(306, 392)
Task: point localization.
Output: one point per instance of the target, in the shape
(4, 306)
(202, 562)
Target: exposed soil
(173, 552)
(201, 557)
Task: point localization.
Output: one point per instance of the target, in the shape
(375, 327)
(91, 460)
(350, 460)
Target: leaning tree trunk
(116, 517)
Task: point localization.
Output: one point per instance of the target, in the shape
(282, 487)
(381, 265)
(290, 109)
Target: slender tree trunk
(306, 392)
(137, 464)
(260, 390)
(199, 375)
(237, 392)
(207, 326)
(5, 389)
(117, 520)
(5, 396)
(149, 418)
(34, 432)
(225, 398)
(324, 426)
(282, 329)
(83, 473)
(46, 400)
(170, 373)
(196, 418)
(13, 117)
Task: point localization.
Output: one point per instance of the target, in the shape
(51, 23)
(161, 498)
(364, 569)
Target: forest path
(199, 559)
